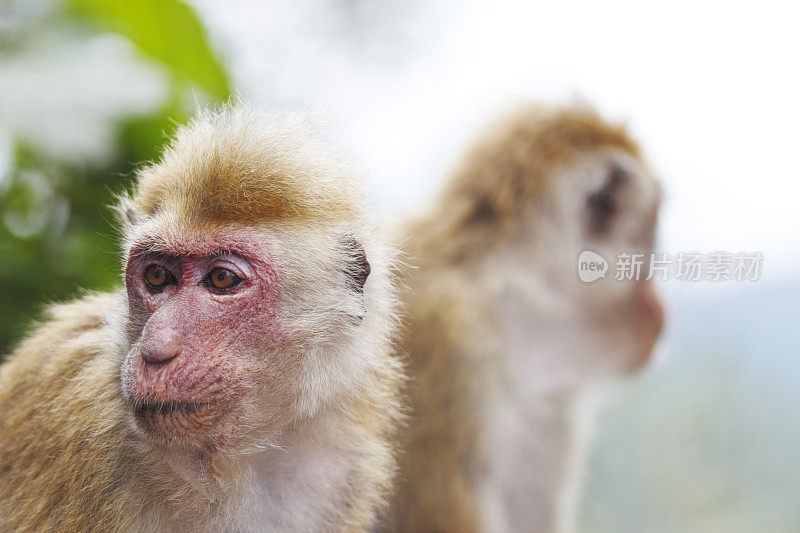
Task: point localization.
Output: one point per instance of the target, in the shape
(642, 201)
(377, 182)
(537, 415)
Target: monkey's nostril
(159, 357)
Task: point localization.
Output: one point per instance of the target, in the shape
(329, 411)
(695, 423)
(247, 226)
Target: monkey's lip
(167, 408)
(176, 420)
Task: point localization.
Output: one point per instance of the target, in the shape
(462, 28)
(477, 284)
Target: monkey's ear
(358, 268)
(603, 205)
(132, 216)
(481, 212)
(127, 214)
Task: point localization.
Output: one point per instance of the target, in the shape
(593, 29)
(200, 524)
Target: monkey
(502, 337)
(242, 378)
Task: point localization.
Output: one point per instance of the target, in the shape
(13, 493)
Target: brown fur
(445, 336)
(78, 457)
(448, 332)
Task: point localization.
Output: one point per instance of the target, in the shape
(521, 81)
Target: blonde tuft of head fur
(234, 165)
(511, 167)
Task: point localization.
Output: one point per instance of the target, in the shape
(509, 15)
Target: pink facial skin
(197, 350)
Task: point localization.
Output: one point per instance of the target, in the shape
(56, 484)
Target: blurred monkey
(243, 378)
(502, 335)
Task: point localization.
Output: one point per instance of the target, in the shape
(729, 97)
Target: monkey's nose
(159, 356)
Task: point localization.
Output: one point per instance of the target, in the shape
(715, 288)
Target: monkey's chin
(175, 422)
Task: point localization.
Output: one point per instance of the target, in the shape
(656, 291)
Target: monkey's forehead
(230, 195)
(518, 158)
(538, 133)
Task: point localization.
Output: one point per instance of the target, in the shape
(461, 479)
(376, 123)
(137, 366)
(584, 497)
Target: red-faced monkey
(502, 334)
(242, 379)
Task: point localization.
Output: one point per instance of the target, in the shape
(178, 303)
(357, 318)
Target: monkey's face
(605, 202)
(225, 325)
(615, 210)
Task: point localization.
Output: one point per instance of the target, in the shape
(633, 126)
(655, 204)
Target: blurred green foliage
(57, 235)
(166, 31)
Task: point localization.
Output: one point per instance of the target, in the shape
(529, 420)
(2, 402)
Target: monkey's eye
(156, 277)
(222, 279)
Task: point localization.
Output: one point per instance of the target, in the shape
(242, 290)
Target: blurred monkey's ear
(603, 204)
(358, 268)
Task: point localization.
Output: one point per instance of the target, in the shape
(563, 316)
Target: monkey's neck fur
(535, 431)
(303, 485)
(533, 459)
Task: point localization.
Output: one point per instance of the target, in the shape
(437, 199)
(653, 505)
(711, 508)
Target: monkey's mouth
(167, 408)
(175, 419)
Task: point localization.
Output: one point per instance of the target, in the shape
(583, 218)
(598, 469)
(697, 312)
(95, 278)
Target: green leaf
(166, 31)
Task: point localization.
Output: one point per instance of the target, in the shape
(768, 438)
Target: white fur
(300, 487)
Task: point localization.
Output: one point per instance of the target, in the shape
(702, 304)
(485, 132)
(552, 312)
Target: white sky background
(710, 89)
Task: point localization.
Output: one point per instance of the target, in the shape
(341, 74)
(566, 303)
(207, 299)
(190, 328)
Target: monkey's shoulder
(445, 314)
(445, 338)
(91, 311)
(61, 410)
(59, 347)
